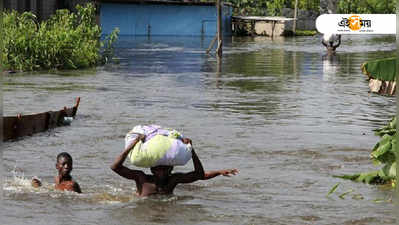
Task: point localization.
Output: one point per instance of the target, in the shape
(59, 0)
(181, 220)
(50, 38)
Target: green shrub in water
(65, 41)
(383, 153)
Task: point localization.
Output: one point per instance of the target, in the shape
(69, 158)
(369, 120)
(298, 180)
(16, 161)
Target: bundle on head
(161, 147)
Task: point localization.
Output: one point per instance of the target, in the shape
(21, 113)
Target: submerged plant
(65, 41)
(384, 154)
(108, 45)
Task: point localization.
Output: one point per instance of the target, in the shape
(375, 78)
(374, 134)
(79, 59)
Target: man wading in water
(163, 181)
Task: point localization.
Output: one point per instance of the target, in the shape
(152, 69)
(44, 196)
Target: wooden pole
(219, 28)
(212, 44)
(295, 15)
(218, 70)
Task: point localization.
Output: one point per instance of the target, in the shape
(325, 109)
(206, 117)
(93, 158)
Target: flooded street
(287, 116)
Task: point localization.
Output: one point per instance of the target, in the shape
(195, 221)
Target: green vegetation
(274, 7)
(270, 7)
(381, 69)
(65, 41)
(305, 32)
(366, 6)
(333, 189)
(1, 49)
(383, 153)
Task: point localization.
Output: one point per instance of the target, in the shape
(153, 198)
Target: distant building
(140, 17)
(154, 17)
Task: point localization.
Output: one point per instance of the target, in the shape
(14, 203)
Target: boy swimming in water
(163, 181)
(63, 181)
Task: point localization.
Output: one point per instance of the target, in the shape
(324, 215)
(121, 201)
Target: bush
(65, 41)
(274, 7)
(270, 7)
(366, 6)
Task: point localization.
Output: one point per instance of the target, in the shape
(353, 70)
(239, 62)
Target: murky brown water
(282, 113)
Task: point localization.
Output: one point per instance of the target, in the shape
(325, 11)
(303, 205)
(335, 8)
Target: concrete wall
(272, 29)
(163, 19)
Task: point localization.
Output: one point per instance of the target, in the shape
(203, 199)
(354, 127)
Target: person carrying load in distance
(160, 150)
(331, 42)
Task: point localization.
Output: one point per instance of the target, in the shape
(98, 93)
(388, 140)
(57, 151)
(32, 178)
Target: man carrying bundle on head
(329, 42)
(160, 150)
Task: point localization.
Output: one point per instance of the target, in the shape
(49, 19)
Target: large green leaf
(382, 153)
(382, 69)
(388, 171)
(382, 148)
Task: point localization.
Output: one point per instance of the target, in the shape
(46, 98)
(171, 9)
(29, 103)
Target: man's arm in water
(123, 171)
(211, 174)
(338, 44)
(197, 174)
(322, 41)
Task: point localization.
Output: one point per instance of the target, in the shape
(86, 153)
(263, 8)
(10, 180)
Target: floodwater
(288, 117)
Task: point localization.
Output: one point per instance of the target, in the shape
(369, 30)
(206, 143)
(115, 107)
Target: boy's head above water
(64, 164)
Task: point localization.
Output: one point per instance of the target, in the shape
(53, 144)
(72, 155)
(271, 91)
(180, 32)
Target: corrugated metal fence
(43, 9)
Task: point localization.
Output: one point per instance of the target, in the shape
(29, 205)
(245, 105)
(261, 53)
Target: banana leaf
(382, 153)
(368, 178)
(389, 129)
(388, 171)
(381, 69)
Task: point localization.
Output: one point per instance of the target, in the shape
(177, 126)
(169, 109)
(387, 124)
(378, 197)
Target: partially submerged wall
(262, 25)
(272, 28)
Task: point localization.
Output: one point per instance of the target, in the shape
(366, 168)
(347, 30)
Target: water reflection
(158, 210)
(330, 65)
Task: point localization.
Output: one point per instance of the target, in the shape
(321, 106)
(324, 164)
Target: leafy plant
(270, 7)
(274, 7)
(65, 41)
(108, 45)
(366, 6)
(305, 32)
(383, 153)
